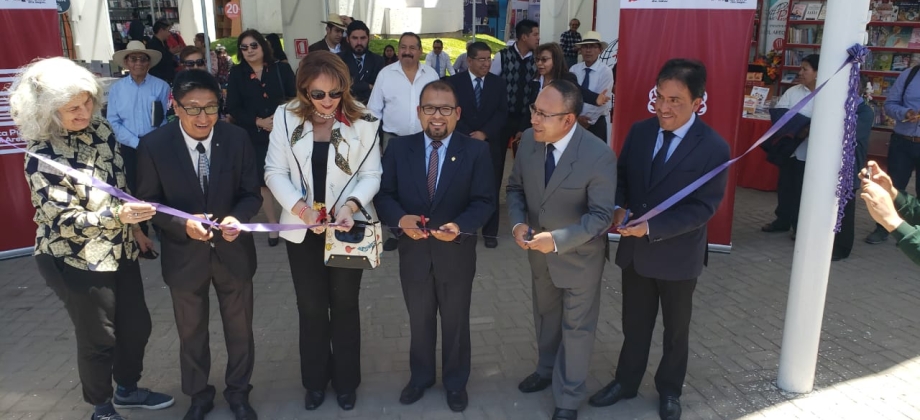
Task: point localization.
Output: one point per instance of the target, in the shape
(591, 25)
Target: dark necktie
(478, 91)
(587, 81)
(437, 64)
(203, 168)
(550, 165)
(433, 168)
(360, 65)
(662, 156)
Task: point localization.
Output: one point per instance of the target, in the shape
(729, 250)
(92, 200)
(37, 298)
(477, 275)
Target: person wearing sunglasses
(176, 163)
(324, 157)
(255, 89)
(202, 46)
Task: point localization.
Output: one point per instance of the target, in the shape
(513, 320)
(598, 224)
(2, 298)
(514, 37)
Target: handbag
(362, 245)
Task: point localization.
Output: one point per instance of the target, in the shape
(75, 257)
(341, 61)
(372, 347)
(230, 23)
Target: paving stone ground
(868, 366)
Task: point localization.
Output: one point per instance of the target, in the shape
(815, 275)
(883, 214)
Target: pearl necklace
(324, 116)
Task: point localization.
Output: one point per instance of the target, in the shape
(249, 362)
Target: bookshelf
(894, 46)
(120, 12)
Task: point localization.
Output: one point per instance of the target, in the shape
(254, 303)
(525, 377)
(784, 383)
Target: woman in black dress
(255, 89)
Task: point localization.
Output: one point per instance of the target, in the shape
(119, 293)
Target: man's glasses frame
(196, 110)
(443, 110)
(542, 116)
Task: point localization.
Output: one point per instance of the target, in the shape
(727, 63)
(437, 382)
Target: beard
(436, 133)
(359, 49)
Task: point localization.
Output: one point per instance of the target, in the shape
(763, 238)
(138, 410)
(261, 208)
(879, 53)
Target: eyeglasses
(444, 110)
(194, 63)
(544, 59)
(138, 59)
(254, 45)
(196, 110)
(540, 115)
(319, 95)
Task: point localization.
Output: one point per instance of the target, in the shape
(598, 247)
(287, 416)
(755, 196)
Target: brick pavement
(868, 366)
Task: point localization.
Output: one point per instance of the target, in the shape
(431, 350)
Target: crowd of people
(363, 139)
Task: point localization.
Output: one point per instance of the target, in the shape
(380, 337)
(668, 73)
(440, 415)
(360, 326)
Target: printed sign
(28, 4)
(301, 47)
(232, 10)
(8, 130)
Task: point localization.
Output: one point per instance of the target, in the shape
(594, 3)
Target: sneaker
(877, 236)
(113, 416)
(143, 398)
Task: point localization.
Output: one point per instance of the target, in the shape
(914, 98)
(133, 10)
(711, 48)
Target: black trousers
(449, 297)
(330, 321)
(191, 305)
(789, 192)
(903, 160)
(599, 128)
(129, 157)
(843, 240)
(498, 148)
(111, 322)
(641, 296)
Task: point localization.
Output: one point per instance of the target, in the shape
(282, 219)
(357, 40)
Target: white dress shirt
(394, 99)
(792, 96)
(601, 78)
(496, 68)
(431, 60)
(192, 146)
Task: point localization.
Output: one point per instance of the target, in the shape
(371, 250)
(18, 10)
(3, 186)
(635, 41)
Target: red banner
(719, 34)
(39, 20)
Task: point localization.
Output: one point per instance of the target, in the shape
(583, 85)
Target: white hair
(42, 88)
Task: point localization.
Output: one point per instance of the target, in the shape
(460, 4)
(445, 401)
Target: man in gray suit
(561, 196)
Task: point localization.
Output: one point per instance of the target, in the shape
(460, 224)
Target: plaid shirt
(567, 41)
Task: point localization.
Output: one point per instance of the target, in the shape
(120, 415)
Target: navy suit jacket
(465, 196)
(361, 82)
(675, 248)
(493, 110)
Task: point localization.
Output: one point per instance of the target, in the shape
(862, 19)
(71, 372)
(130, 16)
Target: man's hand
(542, 242)
(583, 120)
(619, 215)
(638, 231)
(517, 137)
(230, 228)
(409, 225)
(912, 116)
(266, 124)
(478, 135)
(603, 98)
(176, 49)
(344, 219)
(143, 242)
(447, 233)
(196, 230)
(519, 233)
(881, 208)
(879, 177)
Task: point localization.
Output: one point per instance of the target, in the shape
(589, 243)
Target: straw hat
(593, 37)
(335, 20)
(137, 47)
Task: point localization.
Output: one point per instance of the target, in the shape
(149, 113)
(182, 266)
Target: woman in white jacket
(319, 143)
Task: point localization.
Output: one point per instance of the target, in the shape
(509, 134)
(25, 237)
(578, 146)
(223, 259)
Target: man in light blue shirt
(137, 103)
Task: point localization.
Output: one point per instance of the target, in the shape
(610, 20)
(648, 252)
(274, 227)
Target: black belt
(911, 138)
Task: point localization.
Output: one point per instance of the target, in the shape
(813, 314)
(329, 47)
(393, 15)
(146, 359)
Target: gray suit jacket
(576, 206)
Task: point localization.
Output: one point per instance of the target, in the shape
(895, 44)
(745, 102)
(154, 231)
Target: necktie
(203, 167)
(360, 65)
(437, 64)
(662, 156)
(587, 81)
(550, 165)
(433, 168)
(478, 90)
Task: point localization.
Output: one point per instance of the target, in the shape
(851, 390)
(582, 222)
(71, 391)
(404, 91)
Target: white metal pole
(473, 23)
(207, 36)
(845, 25)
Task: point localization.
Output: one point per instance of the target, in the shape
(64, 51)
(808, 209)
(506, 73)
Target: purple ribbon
(848, 164)
(160, 208)
(686, 191)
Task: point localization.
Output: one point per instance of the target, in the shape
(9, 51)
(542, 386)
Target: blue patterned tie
(203, 168)
(478, 91)
(433, 168)
(550, 165)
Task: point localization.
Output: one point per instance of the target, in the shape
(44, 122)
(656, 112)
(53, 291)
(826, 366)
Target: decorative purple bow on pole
(848, 163)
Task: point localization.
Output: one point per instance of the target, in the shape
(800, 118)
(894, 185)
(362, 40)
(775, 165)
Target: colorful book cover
(909, 11)
(914, 60)
(823, 13)
(899, 38)
(882, 61)
(900, 62)
(914, 39)
(798, 11)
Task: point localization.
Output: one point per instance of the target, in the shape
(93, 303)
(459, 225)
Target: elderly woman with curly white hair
(85, 242)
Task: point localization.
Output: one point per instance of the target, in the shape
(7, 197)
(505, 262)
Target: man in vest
(514, 64)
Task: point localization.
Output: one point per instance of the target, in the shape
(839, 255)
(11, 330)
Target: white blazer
(283, 178)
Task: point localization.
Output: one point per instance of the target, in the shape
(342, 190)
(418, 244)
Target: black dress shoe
(391, 244)
(347, 400)
(609, 395)
(491, 242)
(457, 400)
(534, 383)
(273, 241)
(669, 408)
(197, 412)
(563, 414)
(775, 226)
(243, 411)
(313, 399)
(411, 393)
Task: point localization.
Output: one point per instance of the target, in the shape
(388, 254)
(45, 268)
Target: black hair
(414, 35)
(473, 49)
(437, 41)
(277, 50)
(189, 80)
(357, 25)
(333, 27)
(571, 95)
(692, 73)
(812, 60)
(525, 27)
(268, 54)
(159, 25)
(440, 86)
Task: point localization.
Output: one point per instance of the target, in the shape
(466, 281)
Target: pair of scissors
(529, 235)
